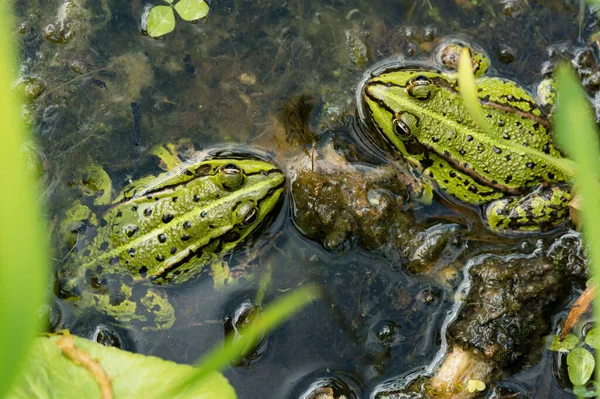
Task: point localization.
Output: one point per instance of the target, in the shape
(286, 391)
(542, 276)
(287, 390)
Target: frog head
(399, 103)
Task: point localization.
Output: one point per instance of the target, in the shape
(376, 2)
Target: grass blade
(576, 132)
(23, 247)
(219, 358)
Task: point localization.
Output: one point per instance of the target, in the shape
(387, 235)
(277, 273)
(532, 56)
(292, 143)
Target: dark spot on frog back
(426, 163)
(130, 230)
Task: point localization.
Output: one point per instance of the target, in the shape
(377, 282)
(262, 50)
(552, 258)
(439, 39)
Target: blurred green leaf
(161, 21)
(568, 344)
(468, 91)
(580, 364)
(270, 318)
(51, 374)
(577, 134)
(592, 338)
(191, 10)
(582, 391)
(23, 246)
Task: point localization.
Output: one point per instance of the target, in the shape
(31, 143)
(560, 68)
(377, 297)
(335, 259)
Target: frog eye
(401, 129)
(250, 217)
(230, 169)
(406, 125)
(421, 88)
(420, 80)
(230, 176)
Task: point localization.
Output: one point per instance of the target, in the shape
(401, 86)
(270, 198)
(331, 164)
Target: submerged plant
(161, 19)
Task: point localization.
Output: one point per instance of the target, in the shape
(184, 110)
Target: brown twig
(82, 358)
(580, 306)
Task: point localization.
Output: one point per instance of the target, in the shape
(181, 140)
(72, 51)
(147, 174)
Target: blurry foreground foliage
(23, 246)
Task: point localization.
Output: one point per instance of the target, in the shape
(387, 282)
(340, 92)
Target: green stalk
(23, 247)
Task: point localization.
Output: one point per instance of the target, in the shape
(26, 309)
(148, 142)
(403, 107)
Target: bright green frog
(419, 111)
(165, 230)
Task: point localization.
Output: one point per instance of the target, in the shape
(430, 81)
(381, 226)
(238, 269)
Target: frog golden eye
(230, 169)
(230, 176)
(406, 125)
(420, 80)
(401, 129)
(421, 88)
(250, 217)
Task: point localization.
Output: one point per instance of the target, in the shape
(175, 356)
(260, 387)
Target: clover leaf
(161, 19)
(580, 364)
(191, 10)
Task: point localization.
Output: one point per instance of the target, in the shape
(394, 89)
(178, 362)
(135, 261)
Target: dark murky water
(111, 95)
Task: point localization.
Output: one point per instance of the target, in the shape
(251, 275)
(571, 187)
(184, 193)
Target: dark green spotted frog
(165, 231)
(418, 110)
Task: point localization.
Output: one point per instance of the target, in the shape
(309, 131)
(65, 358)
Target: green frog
(418, 110)
(165, 230)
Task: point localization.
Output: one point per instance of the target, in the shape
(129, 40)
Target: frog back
(165, 230)
(440, 128)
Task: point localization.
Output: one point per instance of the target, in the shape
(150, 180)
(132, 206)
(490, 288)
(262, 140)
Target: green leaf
(580, 364)
(169, 1)
(592, 338)
(161, 21)
(51, 374)
(568, 344)
(582, 391)
(24, 256)
(468, 92)
(219, 358)
(191, 10)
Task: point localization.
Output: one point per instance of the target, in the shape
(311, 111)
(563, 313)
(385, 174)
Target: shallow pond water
(277, 76)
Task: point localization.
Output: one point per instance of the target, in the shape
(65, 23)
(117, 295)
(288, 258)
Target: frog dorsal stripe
(164, 186)
(478, 177)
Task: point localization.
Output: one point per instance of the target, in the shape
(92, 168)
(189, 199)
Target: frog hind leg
(140, 305)
(539, 211)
